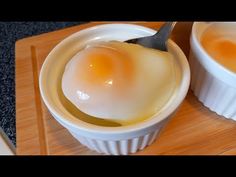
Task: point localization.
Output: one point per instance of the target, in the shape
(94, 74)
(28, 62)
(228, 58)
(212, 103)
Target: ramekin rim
(206, 55)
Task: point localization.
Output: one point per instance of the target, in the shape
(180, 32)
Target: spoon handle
(158, 40)
(165, 31)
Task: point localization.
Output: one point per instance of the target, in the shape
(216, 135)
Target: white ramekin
(110, 140)
(213, 84)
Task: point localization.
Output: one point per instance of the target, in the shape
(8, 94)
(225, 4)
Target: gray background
(10, 32)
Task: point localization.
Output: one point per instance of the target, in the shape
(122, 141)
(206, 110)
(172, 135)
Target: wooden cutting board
(193, 130)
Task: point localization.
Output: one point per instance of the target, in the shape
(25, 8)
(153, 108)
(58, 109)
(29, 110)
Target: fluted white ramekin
(213, 84)
(110, 140)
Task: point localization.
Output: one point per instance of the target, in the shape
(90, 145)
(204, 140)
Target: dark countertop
(9, 33)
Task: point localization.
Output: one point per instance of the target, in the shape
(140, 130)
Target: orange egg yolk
(220, 49)
(106, 66)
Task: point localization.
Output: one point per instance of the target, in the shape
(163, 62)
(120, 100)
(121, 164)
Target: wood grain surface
(193, 130)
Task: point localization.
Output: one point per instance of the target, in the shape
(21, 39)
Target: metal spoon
(158, 40)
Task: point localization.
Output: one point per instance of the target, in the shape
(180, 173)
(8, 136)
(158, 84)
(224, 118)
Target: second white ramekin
(214, 85)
